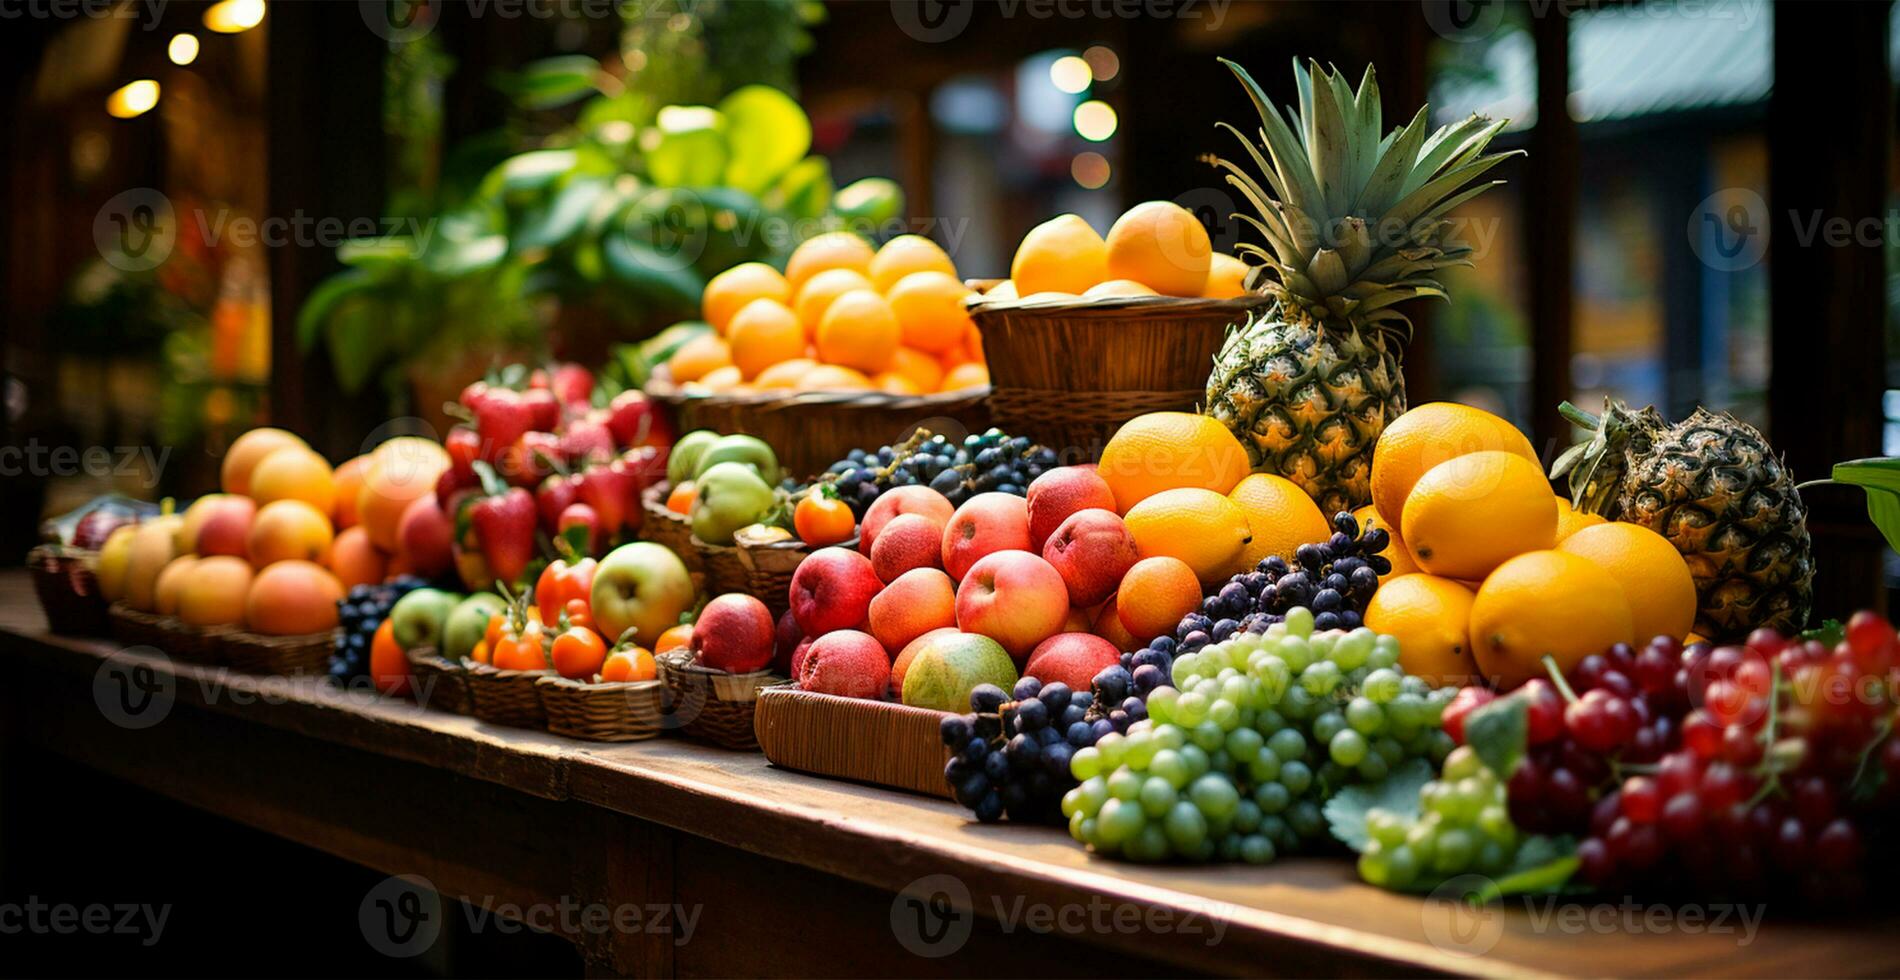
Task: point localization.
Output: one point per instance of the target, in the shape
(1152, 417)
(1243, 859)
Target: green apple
(684, 461)
(945, 665)
(420, 616)
(731, 495)
(467, 622)
(739, 449)
(643, 586)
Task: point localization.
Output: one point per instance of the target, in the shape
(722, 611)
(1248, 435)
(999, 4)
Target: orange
(895, 383)
(929, 308)
(818, 294)
(859, 331)
(1570, 520)
(726, 378)
(833, 377)
(964, 376)
(388, 667)
(1280, 516)
(831, 250)
(170, 585)
(1155, 593)
(1431, 617)
(355, 560)
(1164, 450)
(732, 290)
(680, 499)
(1395, 552)
(1061, 255)
(1161, 245)
(1117, 287)
(287, 529)
(699, 357)
(1545, 603)
(907, 255)
(1109, 626)
(1194, 524)
(635, 664)
(295, 473)
(763, 333)
(249, 449)
(1465, 516)
(784, 374)
(1428, 435)
(673, 637)
(1653, 574)
(349, 480)
(1226, 277)
(922, 369)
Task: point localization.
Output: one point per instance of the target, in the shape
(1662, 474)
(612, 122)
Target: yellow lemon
(1164, 450)
(1655, 579)
(1429, 435)
(1202, 528)
(1161, 245)
(1061, 255)
(1280, 516)
(1467, 515)
(1431, 617)
(1545, 603)
(1395, 552)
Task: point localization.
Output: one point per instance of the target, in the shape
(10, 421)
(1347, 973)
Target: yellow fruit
(929, 308)
(833, 377)
(295, 473)
(784, 374)
(1202, 528)
(698, 357)
(1117, 287)
(1163, 450)
(1280, 516)
(247, 451)
(859, 331)
(1163, 245)
(113, 556)
(1467, 515)
(1396, 552)
(906, 255)
(922, 369)
(730, 291)
(895, 383)
(1545, 603)
(816, 296)
(762, 334)
(831, 250)
(1571, 520)
(1654, 577)
(722, 379)
(964, 376)
(1226, 278)
(1427, 436)
(1061, 255)
(1431, 617)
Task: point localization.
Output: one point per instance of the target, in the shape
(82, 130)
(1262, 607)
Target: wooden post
(1551, 180)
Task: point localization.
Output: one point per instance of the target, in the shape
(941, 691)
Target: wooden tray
(877, 742)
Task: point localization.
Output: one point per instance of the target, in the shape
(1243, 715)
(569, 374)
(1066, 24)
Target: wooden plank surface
(1298, 916)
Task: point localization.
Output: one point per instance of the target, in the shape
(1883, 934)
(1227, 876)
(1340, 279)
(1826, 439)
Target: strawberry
(503, 523)
(452, 486)
(501, 417)
(543, 407)
(613, 492)
(554, 496)
(531, 458)
(472, 396)
(587, 440)
(636, 420)
(648, 464)
(464, 446)
(583, 516)
(573, 385)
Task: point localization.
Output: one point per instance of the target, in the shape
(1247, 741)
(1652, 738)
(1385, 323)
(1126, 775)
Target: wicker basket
(876, 742)
(68, 590)
(437, 681)
(196, 644)
(810, 430)
(665, 527)
(711, 704)
(725, 571)
(133, 628)
(507, 697)
(288, 656)
(1068, 374)
(611, 712)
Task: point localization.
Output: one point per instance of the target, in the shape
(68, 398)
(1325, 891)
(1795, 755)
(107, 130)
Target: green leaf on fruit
(1498, 732)
(1830, 633)
(1542, 866)
(1396, 794)
(1880, 477)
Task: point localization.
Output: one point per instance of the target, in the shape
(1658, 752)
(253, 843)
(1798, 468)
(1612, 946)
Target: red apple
(785, 638)
(1072, 658)
(832, 590)
(798, 656)
(1092, 550)
(846, 663)
(1059, 493)
(909, 541)
(1014, 598)
(425, 538)
(986, 523)
(734, 633)
(901, 500)
(224, 526)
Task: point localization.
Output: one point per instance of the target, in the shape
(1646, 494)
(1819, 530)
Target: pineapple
(1713, 487)
(1354, 222)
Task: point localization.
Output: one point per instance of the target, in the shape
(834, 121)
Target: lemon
(1202, 528)
(1465, 516)
(1570, 520)
(1431, 617)
(1164, 450)
(1654, 577)
(1545, 603)
(1280, 515)
(1428, 435)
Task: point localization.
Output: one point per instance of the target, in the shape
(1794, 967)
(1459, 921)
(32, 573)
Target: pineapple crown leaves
(1354, 221)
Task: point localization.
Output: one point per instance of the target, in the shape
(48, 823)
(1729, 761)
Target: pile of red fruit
(1731, 770)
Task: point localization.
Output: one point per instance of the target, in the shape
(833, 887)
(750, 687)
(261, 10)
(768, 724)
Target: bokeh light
(183, 50)
(1095, 120)
(1103, 63)
(1070, 74)
(1090, 169)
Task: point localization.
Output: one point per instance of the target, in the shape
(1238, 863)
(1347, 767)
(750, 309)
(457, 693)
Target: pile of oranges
(1156, 248)
(841, 317)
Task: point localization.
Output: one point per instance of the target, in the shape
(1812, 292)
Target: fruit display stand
(825, 734)
(759, 847)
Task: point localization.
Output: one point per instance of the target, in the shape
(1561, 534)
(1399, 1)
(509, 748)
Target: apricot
(288, 529)
(291, 598)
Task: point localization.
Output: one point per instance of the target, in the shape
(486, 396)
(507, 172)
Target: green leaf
(553, 82)
(323, 300)
(1830, 633)
(555, 224)
(1396, 794)
(872, 200)
(358, 338)
(452, 258)
(1881, 479)
(766, 132)
(381, 250)
(804, 191)
(1542, 866)
(1498, 732)
(531, 171)
(661, 279)
(687, 147)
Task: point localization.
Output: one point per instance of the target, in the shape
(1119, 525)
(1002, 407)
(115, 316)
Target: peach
(1014, 598)
(909, 541)
(1108, 626)
(1160, 590)
(355, 561)
(910, 651)
(171, 584)
(986, 523)
(798, 656)
(1092, 550)
(248, 450)
(295, 473)
(1072, 658)
(399, 472)
(215, 592)
(289, 529)
(832, 590)
(1059, 493)
(846, 663)
(425, 536)
(292, 597)
(734, 633)
(349, 483)
(916, 602)
(901, 500)
(218, 524)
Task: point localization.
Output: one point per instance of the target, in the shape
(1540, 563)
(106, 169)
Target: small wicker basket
(878, 742)
(626, 711)
(197, 644)
(725, 571)
(133, 627)
(664, 526)
(437, 681)
(507, 697)
(1068, 374)
(288, 656)
(712, 704)
(68, 589)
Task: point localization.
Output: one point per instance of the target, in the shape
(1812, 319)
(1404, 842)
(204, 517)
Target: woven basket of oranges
(850, 346)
